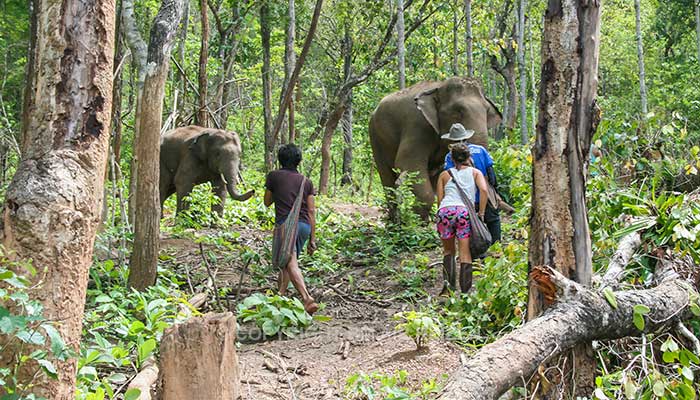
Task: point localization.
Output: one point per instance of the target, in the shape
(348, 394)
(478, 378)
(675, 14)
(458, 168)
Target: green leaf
(610, 297)
(49, 368)
(641, 309)
(57, 345)
(136, 327)
(659, 388)
(638, 320)
(270, 328)
(687, 373)
(132, 394)
(670, 356)
(146, 349)
(695, 309)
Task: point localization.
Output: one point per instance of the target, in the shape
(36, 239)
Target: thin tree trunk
(522, 68)
(289, 64)
(697, 26)
(329, 129)
(144, 258)
(400, 44)
(270, 141)
(202, 115)
(53, 203)
(533, 79)
(347, 116)
(640, 59)
(181, 54)
(455, 41)
(117, 94)
(559, 234)
(469, 37)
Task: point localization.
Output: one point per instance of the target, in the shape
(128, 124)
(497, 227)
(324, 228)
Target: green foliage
(413, 275)
(275, 314)
(418, 326)
(377, 386)
(25, 333)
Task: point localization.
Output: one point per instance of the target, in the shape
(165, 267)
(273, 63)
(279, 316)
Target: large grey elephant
(405, 130)
(191, 155)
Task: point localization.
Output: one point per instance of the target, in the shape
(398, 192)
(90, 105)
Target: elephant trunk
(231, 179)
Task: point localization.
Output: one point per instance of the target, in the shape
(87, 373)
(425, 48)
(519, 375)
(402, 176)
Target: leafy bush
(25, 332)
(275, 314)
(377, 386)
(418, 326)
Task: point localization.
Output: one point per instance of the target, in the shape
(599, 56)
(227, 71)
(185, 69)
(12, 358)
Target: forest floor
(359, 337)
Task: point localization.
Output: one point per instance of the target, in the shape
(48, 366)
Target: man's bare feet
(310, 306)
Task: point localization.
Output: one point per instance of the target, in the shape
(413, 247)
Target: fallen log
(198, 359)
(145, 379)
(578, 315)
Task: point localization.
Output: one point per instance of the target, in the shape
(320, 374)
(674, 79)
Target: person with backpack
(455, 186)
(295, 221)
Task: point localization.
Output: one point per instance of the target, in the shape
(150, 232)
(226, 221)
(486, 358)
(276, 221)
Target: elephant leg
(218, 187)
(165, 187)
(183, 190)
(388, 179)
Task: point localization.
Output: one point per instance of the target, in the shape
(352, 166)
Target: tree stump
(198, 359)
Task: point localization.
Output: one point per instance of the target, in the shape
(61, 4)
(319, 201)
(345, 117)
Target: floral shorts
(453, 220)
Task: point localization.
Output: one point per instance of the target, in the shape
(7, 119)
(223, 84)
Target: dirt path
(359, 338)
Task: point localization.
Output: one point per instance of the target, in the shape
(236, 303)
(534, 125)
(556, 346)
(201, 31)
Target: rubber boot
(449, 274)
(465, 276)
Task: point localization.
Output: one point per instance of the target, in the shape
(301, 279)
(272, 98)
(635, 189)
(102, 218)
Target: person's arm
(311, 205)
(268, 198)
(442, 180)
(491, 176)
(483, 190)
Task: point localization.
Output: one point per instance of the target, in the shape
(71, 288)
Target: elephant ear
(493, 116)
(198, 146)
(426, 102)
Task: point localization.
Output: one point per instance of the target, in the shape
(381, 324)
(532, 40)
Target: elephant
(405, 129)
(191, 155)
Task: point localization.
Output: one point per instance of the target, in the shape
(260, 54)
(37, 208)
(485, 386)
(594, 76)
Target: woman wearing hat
(453, 217)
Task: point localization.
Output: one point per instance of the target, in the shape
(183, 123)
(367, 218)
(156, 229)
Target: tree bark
(580, 316)
(469, 37)
(202, 114)
(144, 258)
(198, 359)
(347, 115)
(506, 69)
(289, 64)
(270, 142)
(568, 118)
(182, 77)
(331, 124)
(455, 41)
(640, 59)
(53, 203)
(401, 43)
(522, 68)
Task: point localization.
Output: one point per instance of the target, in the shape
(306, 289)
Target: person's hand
(311, 248)
(482, 216)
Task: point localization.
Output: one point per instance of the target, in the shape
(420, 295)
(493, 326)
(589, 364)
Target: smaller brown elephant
(191, 155)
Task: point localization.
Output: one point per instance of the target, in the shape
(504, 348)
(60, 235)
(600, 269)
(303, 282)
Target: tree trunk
(144, 258)
(329, 129)
(568, 117)
(400, 44)
(469, 37)
(270, 141)
(640, 59)
(181, 57)
(697, 26)
(455, 42)
(198, 359)
(53, 203)
(533, 79)
(582, 317)
(347, 115)
(522, 68)
(289, 64)
(117, 94)
(202, 115)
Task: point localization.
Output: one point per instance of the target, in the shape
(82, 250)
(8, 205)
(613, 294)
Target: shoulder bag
(284, 237)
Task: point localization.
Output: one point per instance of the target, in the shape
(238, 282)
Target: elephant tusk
(223, 178)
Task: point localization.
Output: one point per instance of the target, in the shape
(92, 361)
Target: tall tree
(289, 64)
(469, 37)
(347, 116)
(568, 118)
(522, 68)
(267, 86)
(697, 26)
(506, 66)
(640, 58)
(53, 203)
(144, 258)
(401, 43)
(202, 114)
(181, 77)
(455, 41)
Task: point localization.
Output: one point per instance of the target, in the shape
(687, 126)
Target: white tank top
(465, 177)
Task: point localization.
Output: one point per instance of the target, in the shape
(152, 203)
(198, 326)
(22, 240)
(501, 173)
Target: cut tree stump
(198, 359)
(578, 315)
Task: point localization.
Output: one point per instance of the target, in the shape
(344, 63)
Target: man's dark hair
(460, 153)
(289, 155)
